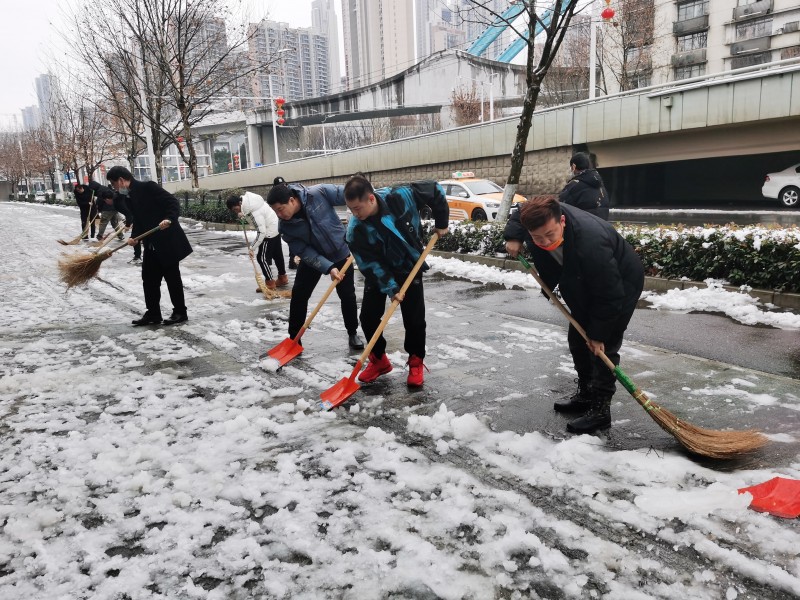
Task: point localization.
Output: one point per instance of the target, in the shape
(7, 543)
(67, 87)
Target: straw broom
(712, 443)
(85, 232)
(100, 245)
(262, 285)
(79, 269)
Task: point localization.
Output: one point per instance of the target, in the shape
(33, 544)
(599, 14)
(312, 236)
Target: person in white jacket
(267, 245)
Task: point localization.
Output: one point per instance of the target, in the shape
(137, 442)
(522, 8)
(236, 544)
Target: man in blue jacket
(385, 238)
(312, 229)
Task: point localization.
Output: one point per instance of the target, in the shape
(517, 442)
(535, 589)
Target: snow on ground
(128, 471)
(737, 305)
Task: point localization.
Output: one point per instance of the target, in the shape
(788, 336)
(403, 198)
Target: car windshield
(483, 186)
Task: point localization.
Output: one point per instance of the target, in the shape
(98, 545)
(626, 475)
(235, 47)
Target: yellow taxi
(474, 199)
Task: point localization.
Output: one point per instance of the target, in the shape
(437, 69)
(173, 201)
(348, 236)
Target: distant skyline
(28, 38)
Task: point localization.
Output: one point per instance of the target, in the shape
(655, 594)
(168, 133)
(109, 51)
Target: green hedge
(47, 199)
(759, 257)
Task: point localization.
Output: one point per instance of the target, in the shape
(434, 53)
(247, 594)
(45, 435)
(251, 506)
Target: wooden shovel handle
(560, 305)
(327, 293)
(395, 303)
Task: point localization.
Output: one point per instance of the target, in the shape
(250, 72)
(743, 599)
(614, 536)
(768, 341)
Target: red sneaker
(375, 368)
(416, 376)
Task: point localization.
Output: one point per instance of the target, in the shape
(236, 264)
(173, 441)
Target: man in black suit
(152, 206)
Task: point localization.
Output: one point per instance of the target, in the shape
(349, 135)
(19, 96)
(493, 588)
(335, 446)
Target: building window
(693, 41)
(746, 2)
(690, 10)
(754, 29)
(749, 60)
(691, 71)
(640, 80)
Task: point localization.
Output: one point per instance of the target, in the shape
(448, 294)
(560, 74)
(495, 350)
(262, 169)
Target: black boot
(598, 417)
(356, 343)
(579, 402)
(176, 317)
(147, 319)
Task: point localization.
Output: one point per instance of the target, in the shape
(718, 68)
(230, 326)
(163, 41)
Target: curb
(655, 284)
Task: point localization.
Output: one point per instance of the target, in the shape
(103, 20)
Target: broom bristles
(268, 293)
(712, 443)
(79, 269)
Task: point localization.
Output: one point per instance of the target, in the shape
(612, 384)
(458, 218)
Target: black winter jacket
(587, 192)
(149, 204)
(602, 276)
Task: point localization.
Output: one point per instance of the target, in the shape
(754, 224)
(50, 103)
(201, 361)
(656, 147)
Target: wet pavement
(501, 354)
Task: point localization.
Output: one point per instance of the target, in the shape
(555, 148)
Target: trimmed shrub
(759, 257)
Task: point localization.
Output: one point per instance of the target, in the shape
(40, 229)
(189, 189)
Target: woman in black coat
(152, 206)
(600, 277)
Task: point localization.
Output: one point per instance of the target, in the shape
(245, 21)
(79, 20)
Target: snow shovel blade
(339, 393)
(285, 351)
(779, 496)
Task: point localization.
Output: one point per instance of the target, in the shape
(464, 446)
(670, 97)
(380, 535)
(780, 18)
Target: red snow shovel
(778, 496)
(347, 386)
(290, 348)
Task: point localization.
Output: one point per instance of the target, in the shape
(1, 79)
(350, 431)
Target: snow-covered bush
(761, 257)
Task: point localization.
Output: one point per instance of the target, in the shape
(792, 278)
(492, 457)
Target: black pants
(87, 212)
(304, 283)
(412, 307)
(137, 250)
(152, 274)
(271, 249)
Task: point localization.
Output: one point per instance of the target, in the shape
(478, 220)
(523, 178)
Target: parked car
(784, 186)
(39, 196)
(472, 198)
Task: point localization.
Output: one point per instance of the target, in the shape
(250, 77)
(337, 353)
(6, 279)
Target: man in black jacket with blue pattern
(385, 237)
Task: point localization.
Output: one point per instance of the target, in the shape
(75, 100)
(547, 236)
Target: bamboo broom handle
(137, 238)
(560, 305)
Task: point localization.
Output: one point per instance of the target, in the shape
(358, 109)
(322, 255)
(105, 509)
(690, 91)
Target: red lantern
(280, 112)
(279, 101)
(607, 14)
(281, 121)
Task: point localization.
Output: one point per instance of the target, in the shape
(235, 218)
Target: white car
(784, 186)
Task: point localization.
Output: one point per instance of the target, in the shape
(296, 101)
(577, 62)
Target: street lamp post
(274, 124)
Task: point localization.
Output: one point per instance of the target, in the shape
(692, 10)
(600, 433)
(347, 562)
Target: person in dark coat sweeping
(585, 190)
(86, 196)
(600, 277)
(151, 205)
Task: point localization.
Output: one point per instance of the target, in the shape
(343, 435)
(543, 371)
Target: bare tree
(83, 140)
(552, 26)
(12, 165)
(568, 78)
(467, 107)
(625, 55)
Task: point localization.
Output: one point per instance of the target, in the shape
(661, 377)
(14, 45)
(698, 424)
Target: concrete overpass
(651, 144)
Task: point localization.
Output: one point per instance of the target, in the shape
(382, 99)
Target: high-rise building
(657, 41)
(30, 118)
(300, 73)
(44, 92)
(438, 28)
(378, 39)
(323, 20)
(474, 20)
